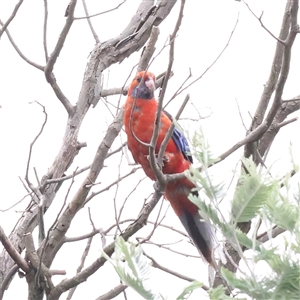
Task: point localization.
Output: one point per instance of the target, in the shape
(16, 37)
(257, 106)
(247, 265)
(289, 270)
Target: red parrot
(139, 118)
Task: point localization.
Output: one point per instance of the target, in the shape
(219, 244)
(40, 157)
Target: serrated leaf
(251, 194)
(218, 293)
(133, 268)
(189, 289)
(282, 212)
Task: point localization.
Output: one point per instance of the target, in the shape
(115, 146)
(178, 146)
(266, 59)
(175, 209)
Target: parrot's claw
(165, 159)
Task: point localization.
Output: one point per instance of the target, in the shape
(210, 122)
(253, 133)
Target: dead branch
(155, 264)
(101, 13)
(12, 16)
(31, 147)
(264, 237)
(53, 57)
(81, 265)
(211, 65)
(148, 50)
(12, 206)
(40, 278)
(172, 250)
(90, 22)
(262, 24)
(93, 194)
(113, 293)
(19, 51)
(45, 30)
(19, 260)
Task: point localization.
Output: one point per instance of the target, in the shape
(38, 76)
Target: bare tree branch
(45, 30)
(53, 57)
(148, 50)
(90, 22)
(262, 24)
(113, 293)
(272, 80)
(5, 25)
(210, 66)
(264, 237)
(101, 13)
(20, 53)
(155, 264)
(42, 277)
(81, 265)
(20, 261)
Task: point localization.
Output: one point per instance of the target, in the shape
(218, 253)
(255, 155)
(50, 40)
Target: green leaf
(189, 289)
(133, 268)
(282, 212)
(251, 194)
(218, 293)
(202, 150)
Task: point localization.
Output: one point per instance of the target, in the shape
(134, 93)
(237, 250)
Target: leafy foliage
(252, 192)
(133, 268)
(258, 195)
(189, 289)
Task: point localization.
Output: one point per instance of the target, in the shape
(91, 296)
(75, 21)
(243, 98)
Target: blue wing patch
(182, 144)
(180, 141)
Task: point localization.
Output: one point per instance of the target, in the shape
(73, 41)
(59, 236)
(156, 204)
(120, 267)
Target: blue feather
(182, 144)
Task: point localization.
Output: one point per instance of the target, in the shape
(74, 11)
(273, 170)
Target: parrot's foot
(165, 159)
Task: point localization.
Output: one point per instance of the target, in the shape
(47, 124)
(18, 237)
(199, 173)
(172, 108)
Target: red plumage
(139, 118)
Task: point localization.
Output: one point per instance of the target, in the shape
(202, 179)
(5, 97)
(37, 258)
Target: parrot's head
(142, 86)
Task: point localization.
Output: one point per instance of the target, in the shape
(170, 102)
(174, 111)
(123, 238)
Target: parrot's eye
(138, 79)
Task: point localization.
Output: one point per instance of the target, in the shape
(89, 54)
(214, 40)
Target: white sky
(239, 75)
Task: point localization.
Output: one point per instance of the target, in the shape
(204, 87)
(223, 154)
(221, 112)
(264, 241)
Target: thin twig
(214, 61)
(170, 131)
(12, 206)
(101, 13)
(20, 53)
(174, 251)
(240, 113)
(45, 30)
(5, 25)
(81, 265)
(179, 88)
(262, 24)
(155, 264)
(93, 194)
(284, 123)
(33, 142)
(53, 57)
(90, 22)
(115, 198)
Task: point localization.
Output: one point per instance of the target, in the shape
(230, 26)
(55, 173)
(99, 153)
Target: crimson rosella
(139, 118)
